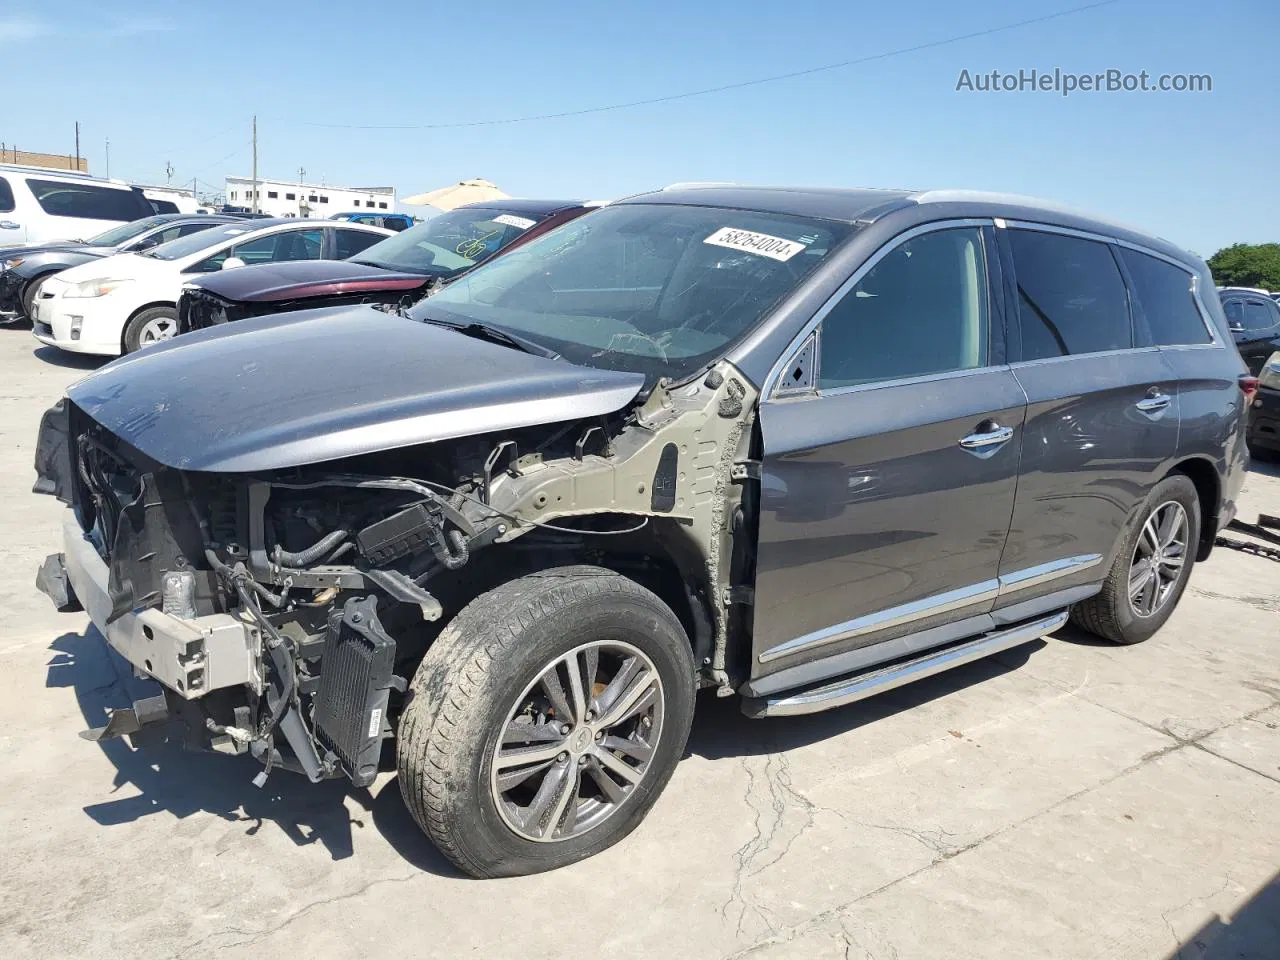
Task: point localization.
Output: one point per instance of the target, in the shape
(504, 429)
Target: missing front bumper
(190, 657)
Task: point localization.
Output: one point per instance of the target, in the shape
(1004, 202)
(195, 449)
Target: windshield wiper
(484, 331)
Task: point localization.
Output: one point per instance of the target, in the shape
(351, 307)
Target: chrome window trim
(995, 589)
(1137, 248)
(785, 357)
(885, 384)
(1126, 351)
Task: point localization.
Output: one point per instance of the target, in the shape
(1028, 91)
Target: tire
(29, 295)
(464, 706)
(146, 325)
(1112, 614)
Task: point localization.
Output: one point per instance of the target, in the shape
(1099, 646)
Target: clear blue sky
(178, 83)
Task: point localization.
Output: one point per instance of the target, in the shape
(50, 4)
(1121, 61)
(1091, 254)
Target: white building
(293, 198)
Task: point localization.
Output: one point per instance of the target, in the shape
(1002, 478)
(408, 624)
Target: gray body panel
(316, 385)
(868, 503)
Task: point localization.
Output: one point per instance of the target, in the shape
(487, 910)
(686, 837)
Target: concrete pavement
(1068, 799)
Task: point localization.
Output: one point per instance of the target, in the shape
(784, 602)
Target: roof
(866, 205)
(312, 186)
(518, 205)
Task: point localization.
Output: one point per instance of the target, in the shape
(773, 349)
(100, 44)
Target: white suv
(38, 205)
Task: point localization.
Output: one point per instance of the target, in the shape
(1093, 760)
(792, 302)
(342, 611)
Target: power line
(723, 87)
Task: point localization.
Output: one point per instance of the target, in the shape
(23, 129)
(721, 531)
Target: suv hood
(305, 278)
(296, 388)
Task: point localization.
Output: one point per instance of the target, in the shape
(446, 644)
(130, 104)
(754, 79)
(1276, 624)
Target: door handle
(1154, 403)
(9, 225)
(991, 437)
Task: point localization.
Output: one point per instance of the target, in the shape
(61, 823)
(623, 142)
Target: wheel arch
(1201, 472)
(124, 329)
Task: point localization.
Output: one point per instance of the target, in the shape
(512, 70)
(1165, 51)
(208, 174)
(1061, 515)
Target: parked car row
(795, 445)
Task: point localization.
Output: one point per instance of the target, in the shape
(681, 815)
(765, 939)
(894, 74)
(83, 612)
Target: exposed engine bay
(283, 611)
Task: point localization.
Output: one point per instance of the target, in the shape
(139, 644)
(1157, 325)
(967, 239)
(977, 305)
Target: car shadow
(1251, 933)
(721, 731)
(72, 361)
(165, 778)
(1268, 468)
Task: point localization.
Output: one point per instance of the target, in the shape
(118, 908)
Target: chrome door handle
(987, 438)
(1154, 403)
(9, 225)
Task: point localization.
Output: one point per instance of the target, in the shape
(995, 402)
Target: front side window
(1071, 297)
(124, 232)
(86, 200)
(661, 289)
(194, 243)
(1164, 298)
(921, 309)
(7, 204)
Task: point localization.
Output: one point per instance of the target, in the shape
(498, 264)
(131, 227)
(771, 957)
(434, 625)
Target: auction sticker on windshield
(761, 243)
(522, 223)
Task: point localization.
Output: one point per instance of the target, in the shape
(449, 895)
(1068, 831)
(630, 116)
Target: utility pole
(108, 173)
(77, 145)
(168, 172)
(254, 208)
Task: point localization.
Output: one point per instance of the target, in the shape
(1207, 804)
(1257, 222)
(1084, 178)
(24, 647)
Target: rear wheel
(1151, 567)
(545, 721)
(149, 326)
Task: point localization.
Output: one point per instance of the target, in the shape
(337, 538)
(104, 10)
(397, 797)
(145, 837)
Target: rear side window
(165, 206)
(1071, 297)
(1258, 315)
(922, 309)
(6, 197)
(86, 200)
(348, 243)
(1164, 300)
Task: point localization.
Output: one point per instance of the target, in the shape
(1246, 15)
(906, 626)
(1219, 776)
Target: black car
(1254, 319)
(798, 446)
(1264, 415)
(398, 270)
(23, 269)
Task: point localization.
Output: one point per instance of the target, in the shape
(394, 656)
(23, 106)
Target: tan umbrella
(452, 197)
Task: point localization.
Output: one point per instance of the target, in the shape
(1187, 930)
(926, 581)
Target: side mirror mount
(146, 243)
(232, 262)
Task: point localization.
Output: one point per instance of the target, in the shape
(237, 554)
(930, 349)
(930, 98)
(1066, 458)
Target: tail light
(1249, 387)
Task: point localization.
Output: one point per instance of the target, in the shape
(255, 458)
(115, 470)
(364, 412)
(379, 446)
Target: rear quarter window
(1071, 297)
(87, 201)
(1164, 300)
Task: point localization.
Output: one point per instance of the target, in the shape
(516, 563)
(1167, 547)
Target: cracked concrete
(1067, 799)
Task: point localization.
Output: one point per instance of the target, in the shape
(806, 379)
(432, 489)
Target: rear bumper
(1264, 420)
(190, 657)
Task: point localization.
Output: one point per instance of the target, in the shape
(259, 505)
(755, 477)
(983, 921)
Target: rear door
(890, 459)
(1102, 414)
(71, 210)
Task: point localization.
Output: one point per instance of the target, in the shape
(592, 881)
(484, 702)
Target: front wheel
(1150, 569)
(149, 326)
(545, 721)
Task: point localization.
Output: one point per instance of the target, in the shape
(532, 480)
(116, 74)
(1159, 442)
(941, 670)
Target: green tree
(1247, 265)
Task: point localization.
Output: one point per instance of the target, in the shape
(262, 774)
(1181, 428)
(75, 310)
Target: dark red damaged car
(397, 271)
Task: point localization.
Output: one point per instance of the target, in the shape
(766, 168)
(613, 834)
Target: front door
(886, 489)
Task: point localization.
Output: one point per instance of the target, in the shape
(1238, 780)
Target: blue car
(392, 221)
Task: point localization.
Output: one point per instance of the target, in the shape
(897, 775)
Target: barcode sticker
(375, 722)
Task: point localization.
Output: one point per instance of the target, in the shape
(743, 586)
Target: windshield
(126, 231)
(195, 242)
(663, 290)
(449, 243)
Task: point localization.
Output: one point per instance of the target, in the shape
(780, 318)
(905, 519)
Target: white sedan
(117, 304)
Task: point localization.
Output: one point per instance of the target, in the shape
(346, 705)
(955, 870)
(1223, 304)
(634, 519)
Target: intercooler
(356, 677)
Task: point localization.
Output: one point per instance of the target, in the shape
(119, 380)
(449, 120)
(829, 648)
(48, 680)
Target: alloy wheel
(1158, 559)
(157, 329)
(578, 741)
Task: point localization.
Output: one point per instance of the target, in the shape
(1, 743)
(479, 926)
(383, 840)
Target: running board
(863, 685)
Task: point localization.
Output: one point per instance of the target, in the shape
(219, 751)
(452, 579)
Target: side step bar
(863, 685)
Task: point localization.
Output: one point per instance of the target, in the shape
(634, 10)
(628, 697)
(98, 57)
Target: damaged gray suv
(798, 446)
